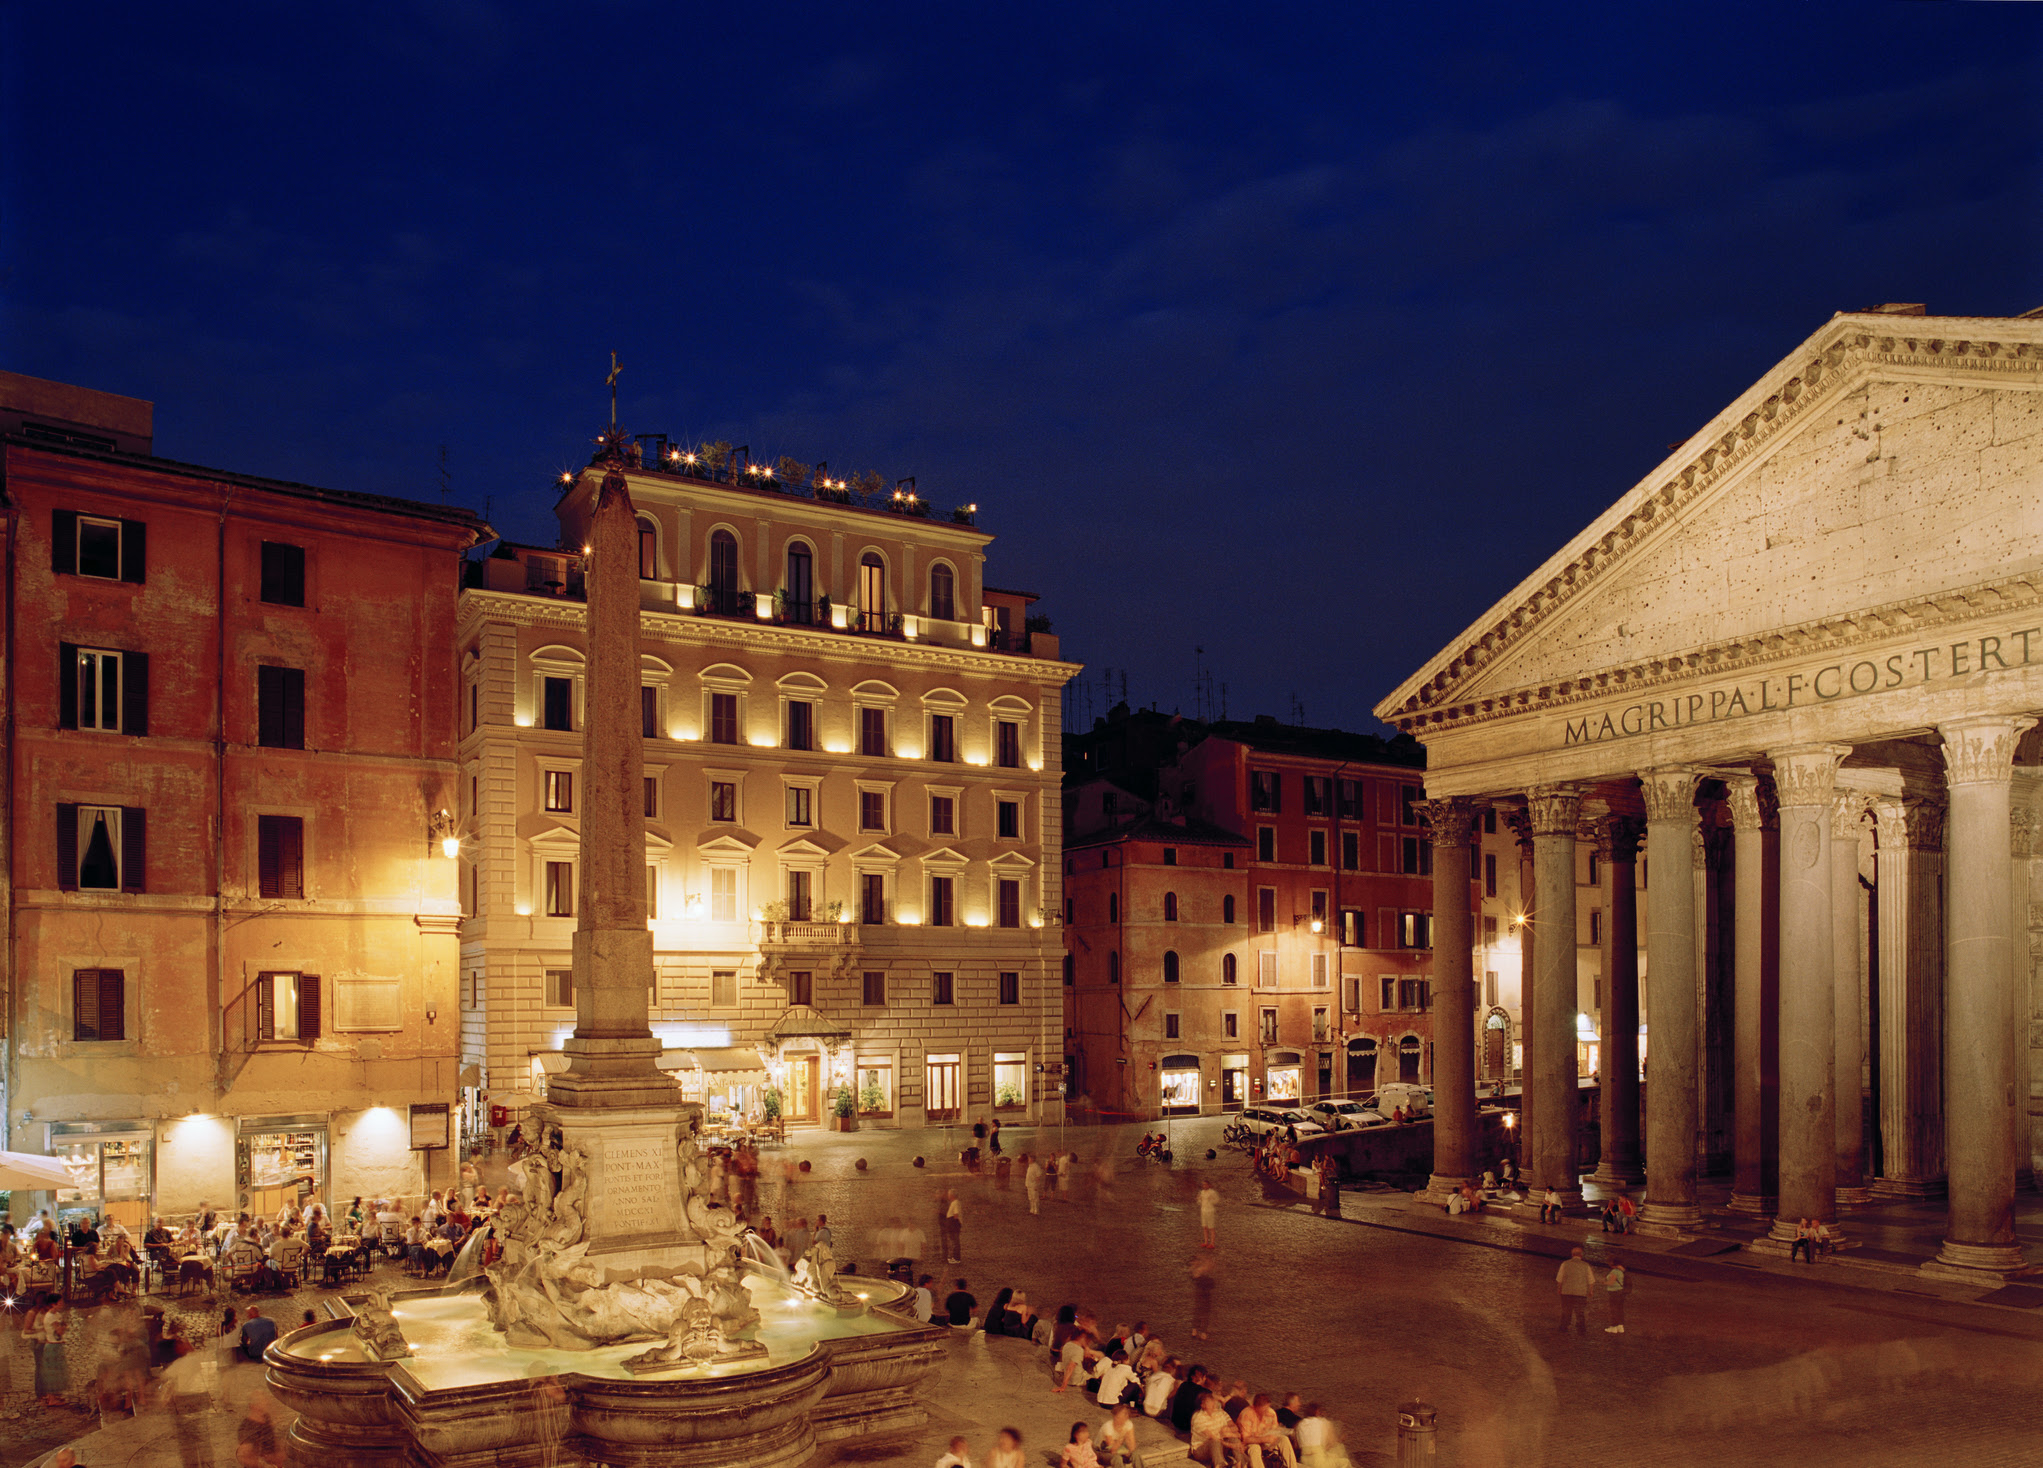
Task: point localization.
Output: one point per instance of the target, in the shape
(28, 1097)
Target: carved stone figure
(378, 1330)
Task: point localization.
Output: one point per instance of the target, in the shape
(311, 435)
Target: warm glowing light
(975, 759)
(523, 721)
(838, 748)
(587, 548)
(1518, 920)
(758, 743)
(1510, 1119)
(908, 919)
(450, 847)
(975, 922)
(1318, 926)
(524, 909)
(567, 478)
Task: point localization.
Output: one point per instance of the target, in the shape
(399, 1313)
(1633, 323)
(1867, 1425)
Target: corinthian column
(1979, 1034)
(1520, 822)
(1848, 1043)
(1909, 889)
(1553, 1080)
(1671, 992)
(1755, 860)
(1454, 1100)
(1805, 779)
(1617, 843)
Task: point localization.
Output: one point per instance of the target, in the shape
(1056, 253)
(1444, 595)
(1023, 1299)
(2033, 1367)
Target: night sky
(1296, 333)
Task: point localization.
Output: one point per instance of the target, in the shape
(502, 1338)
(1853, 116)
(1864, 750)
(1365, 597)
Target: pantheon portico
(1789, 683)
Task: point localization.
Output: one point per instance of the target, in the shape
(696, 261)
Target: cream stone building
(1803, 661)
(852, 754)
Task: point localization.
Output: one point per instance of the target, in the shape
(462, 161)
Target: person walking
(954, 1228)
(1209, 1214)
(1616, 1285)
(1032, 1181)
(1203, 1282)
(1574, 1278)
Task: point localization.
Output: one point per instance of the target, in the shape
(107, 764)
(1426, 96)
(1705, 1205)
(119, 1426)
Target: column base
(1853, 1197)
(1759, 1204)
(1907, 1187)
(1439, 1189)
(1670, 1217)
(1982, 1264)
(1779, 1240)
(1625, 1175)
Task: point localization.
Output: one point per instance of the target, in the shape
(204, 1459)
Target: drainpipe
(12, 1017)
(219, 976)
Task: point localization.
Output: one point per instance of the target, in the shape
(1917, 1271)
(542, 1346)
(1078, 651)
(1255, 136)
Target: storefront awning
(730, 1067)
(805, 1022)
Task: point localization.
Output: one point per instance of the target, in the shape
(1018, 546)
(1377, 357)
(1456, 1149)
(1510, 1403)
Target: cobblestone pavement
(1720, 1363)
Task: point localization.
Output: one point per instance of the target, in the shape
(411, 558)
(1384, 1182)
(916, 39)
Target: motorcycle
(1154, 1147)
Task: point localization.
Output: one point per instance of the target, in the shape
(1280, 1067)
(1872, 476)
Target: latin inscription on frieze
(638, 1193)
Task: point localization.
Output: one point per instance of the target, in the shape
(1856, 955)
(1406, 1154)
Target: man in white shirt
(1115, 1379)
(1157, 1394)
(925, 1301)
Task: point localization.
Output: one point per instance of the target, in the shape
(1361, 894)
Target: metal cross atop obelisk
(615, 372)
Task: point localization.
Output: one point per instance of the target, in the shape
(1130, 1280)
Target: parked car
(1416, 1100)
(1274, 1118)
(1342, 1116)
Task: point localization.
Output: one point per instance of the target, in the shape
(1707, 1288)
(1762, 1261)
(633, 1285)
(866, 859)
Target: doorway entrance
(1493, 1048)
(942, 1102)
(802, 1073)
(1361, 1067)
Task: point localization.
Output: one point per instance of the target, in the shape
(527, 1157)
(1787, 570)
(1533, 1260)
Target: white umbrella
(29, 1171)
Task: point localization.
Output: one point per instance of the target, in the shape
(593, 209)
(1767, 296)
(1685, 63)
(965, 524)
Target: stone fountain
(625, 1321)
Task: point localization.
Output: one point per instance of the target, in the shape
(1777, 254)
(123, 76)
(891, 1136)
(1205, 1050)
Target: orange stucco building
(229, 743)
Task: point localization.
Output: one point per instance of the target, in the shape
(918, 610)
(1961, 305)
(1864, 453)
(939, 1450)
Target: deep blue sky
(1297, 332)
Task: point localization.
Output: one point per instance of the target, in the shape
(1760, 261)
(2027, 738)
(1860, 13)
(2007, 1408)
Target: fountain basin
(465, 1399)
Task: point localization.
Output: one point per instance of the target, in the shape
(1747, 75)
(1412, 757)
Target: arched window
(723, 571)
(1113, 968)
(943, 601)
(1170, 907)
(1227, 968)
(648, 551)
(1113, 907)
(872, 593)
(1227, 908)
(800, 590)
(1170, 966)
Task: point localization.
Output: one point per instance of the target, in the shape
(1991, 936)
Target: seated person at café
(158, 1236)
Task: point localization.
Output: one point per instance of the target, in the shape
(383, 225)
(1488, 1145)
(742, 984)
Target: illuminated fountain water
(627, 1320)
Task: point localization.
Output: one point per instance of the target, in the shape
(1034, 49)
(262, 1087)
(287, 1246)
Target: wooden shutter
(308, 1006)
(113, 1014)
(294, 707)
(67, 685)
(268, 880)
(269, 722)
(134, 849)
(265, 1007)
(290, 856)
(134, 693)
(85, 1004)
(134, 550)
(64, 540)
(67, 848)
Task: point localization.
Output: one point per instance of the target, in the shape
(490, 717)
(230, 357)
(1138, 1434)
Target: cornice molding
(1836, 359)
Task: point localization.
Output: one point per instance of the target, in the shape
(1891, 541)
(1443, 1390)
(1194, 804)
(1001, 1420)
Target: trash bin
(1415, 1435)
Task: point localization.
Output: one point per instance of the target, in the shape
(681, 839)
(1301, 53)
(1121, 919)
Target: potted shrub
(770, 1103)
(847, 1111)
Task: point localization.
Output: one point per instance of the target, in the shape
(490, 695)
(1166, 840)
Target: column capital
(1450, 819)
(1909, 823)
(1617, 837)
(1553, 809)
(1520, 822)
(1670, 793)
(1981, 750)
(1751, 798)
(1806, 774)
(1847, 811)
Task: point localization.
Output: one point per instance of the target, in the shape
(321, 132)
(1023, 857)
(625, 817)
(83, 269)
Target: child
(1007, 1450)
(1078, 1453)
(957, 1457)
(1117, 1438)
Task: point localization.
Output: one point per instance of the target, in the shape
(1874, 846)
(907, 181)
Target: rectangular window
(1170, 1026)
(474, 707)
(723, 988)
(99, 1008)
(101, 848)
(872, 898)
(287, 1006)
(1351, 852)
(872, 731)
(1266, 843)
(283, 574)
(1319, 908)
(1266, 909)
(1414, 994)
(1595, 928)
(1010, 902)
(1490, 932)
(874, 994)
(798, 797)
(801, 724)
(1595, 870)
(648, 711)
(1409, 797)
(1351, 804)
(943, 738)
(559, 698)
(875, 1087)
(943, 989)
(942, 816)
(1415, 930)
(1266, 970)
(1319, 972)
(1387, 1000)
(1354, 928)
(1230, 1026)
(800, 887)
(1318, 847)
(280, 707)
(1490, 988)
(1266, 791)
(723, 894)
(97, 545)
(101, 689)
(1269, 1027)
(801, 987)
(1227, 861)
(652, 797)
(1010, 988)
(723, 718)
(1170, 856)
(1418, 857)
(1489, 876)
(652, 891)
(723, 800)
(1316, 795)
(1007, 744)
(1319, 1026)
(560, 988)
(280, 856)
(1010, 820)
(872, 810)
(560, 889)
(560, 791)
(940, 902)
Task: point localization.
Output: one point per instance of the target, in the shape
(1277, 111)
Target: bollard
(1415, 1435)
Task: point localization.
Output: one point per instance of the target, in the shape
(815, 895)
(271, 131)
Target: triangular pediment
(1886, 460)
(726, 842)
(876, 854)
(943, 856)
(1010, 861)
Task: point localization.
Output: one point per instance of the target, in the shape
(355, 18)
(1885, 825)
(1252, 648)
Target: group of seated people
(1127, 1371)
